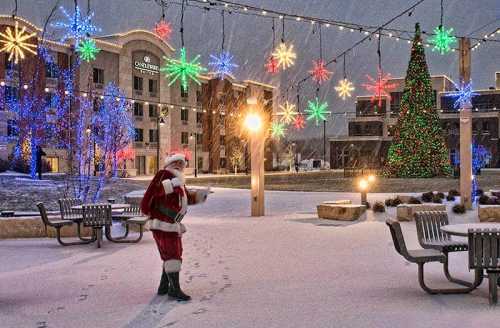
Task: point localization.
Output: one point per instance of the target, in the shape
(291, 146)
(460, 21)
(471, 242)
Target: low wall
(489, 213)
(405, 212)
(33, 227)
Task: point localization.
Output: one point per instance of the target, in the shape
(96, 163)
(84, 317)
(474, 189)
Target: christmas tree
(418, 148)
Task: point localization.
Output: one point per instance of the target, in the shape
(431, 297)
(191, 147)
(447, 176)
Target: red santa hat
(174, 158)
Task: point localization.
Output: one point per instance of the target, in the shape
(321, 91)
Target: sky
(249, 38)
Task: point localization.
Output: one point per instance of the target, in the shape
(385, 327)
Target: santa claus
(165, 202)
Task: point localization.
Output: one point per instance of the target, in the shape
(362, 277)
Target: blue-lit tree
(115, 127)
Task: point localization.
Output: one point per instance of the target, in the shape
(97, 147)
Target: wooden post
(465, 128)
(257, 172)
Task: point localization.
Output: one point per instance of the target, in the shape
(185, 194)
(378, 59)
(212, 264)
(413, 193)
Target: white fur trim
(168, 186)
(183, 228)
(174, 158)
(172, 266)
(156, 224)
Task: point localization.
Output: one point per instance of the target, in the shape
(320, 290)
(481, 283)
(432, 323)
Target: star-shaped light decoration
(277, 130)
(285, 55)
(464, 95)
(223, 64)
(163, 29)
(380, 87)
(77, 26)
(317, 110)
(16, 43)
(287, 113)
(299, 122)
(272, 65)
(442, 40)
(87, 49)
(319, 72)
(344, 88)
(182, 69)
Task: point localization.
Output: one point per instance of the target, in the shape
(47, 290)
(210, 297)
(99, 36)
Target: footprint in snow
(200, 311)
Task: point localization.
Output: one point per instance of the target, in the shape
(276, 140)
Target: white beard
(178, 174)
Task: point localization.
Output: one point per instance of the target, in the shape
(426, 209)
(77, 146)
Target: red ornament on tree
(319, 72)
(299, 122)
(380, 87)
(163, 29)
(272, 65)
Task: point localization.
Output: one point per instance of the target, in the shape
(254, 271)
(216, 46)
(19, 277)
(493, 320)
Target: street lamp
(253, 123)
(363, 184)
(194, 136)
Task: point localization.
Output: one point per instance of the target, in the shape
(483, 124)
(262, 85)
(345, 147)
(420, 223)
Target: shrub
(368, 205)
(458, 209)
(396, 201)
(414, 200)
(494, 200)
(378, 207)
(389, 202)
(427, 197)
(436, 199)
(440, 195)
(485, 200)
(4, 165)
(479, 192)
(453, 192)
(450, 198)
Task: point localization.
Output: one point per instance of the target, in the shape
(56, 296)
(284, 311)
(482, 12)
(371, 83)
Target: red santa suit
(165, 202)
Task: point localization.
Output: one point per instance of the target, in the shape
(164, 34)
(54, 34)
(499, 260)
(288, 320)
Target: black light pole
(324, 142)
(159, 123)
(194, 136)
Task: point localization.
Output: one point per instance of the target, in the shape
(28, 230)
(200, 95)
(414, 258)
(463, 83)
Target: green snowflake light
(183, 70)
(88, 50)
(442, 39)
(277, 130)
(317, 110)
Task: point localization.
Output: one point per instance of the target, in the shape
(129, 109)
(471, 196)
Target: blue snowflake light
(223, 64)
(463, 94)
(77, 26)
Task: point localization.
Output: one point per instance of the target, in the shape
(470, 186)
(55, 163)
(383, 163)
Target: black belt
(176, 216)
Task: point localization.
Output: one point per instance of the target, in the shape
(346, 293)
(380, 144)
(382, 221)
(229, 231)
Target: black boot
(163, 288)
(174, 290)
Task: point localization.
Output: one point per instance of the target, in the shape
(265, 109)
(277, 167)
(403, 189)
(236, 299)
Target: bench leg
(98, 231)
(79, 233)
(121, 239)
(493, 287)
(439, 291)
(59, 240)
(454, 280)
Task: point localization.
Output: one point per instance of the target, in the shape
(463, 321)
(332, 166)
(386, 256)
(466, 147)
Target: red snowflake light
(272, 65)
(184, 150)
(319, 72)
(163, 29)
(380, 87)
(299, 122)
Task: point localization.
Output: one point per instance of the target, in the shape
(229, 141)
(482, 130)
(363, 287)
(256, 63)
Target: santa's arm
(169, 185)
(196, 196)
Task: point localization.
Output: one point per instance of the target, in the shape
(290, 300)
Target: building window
(198, 97)
(486, 127)
(184, 114)
(153, 110)
(184, 138)
(199, 138)
(137, 83)
(184, 93)
(138, 109)
(153, 86)
(222, 140)
(153, 135)
(98, 76)
(139, 135)
(12, 130)
(51, 70)
(50, 100)
(222, 162)
(199, 117)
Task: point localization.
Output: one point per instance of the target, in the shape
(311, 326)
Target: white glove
(176, 182)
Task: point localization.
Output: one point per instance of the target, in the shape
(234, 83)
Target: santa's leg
(172, 268)
(163, 288)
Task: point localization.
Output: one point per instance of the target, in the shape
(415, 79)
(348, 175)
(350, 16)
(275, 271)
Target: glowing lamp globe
(253, 122)
(363, 184)
(371, 178)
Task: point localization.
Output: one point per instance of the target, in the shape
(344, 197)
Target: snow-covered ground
(288, 269)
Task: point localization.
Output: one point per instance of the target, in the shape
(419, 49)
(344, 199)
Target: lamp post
(363, 184)
(194, 136)
(159, 123)
(253, 123)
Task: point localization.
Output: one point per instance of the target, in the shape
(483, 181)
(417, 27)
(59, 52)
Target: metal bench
(420, 257)
(484, 254)
(68, 213)
(130, 215)
(430, 236)
(97, 216)
(58, 225)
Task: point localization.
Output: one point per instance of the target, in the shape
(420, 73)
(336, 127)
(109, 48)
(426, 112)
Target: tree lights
(87, 50)
(317, 110)
(76, 26)
(418, 148)
(182, 69)
(15, 43)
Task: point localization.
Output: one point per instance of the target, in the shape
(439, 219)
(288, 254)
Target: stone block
(33, 227)
(341, 201)
(405, 212)
(134, 197)
(489, 213)
(343, 212)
